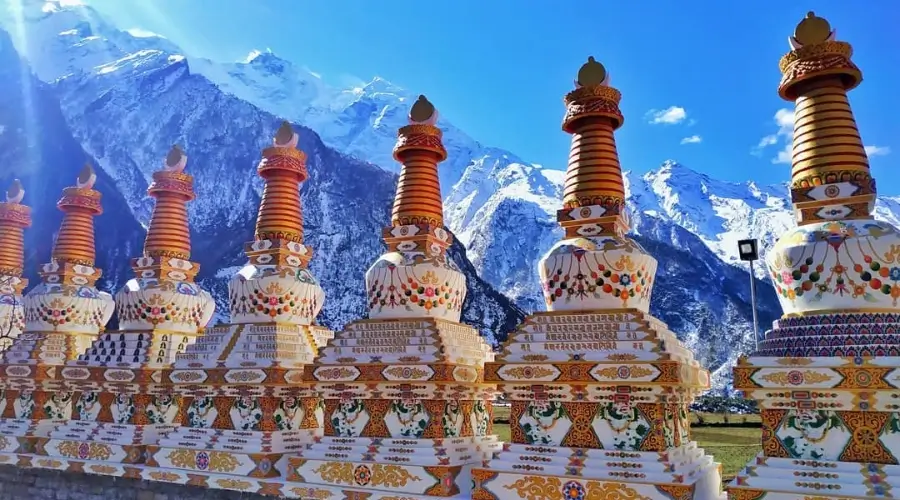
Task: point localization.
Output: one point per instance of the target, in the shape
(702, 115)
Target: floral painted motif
(58, 406)
(12, 318)
(669, 428)
(481, 418)
(621, 426)
(684, 424)
(594, 268)
(545, 423)
(838, 263)
(157, 308)
(813, 434)
(289, 414)
(573, 490)
(88, 406)
(24, 405)
(246, 414)
(201, 413)
(268, 297)
(409, 418)
(890, 434)
(162, 409)
(349, 418)
(122, 409)
(452, 419)
(72, 311)
(390, 290)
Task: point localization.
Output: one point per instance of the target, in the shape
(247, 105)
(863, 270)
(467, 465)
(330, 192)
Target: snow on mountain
(125, 96)
(482, 182)
(124, 112)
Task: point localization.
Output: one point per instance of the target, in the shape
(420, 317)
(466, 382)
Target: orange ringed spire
(283, 167)
(419, 150)
(168, 234)
(830, 178)
(14, 218)
(593, 182)
(415, 278)
(80, 203)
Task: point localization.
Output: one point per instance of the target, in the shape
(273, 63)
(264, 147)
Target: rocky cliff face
(121, 100)
(127, 124)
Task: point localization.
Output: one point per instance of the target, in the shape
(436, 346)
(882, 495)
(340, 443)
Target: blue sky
(705, 72)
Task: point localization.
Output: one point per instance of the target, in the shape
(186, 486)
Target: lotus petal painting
(398, 250)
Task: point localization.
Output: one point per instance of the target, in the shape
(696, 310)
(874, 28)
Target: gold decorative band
(595, 101)
(15, 214)
(276, 151)
(167, 254)
(79, 198)
(815, 51)
(419, 138)
(816, 61)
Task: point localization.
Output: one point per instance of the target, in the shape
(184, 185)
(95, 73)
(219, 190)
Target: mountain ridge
(125, 99)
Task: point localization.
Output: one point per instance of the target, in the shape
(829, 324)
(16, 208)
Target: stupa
(599, 388)
(63, 315)
(245, 404)
(14, 218)
(118, 404)
(407, 412)
(827, 375)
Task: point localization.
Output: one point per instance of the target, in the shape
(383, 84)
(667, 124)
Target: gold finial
(592, 73)
(174, 156)
(86, 177)
(15, 193)
(285, 134)
(812, 29)
(422, 110)
(176, 160)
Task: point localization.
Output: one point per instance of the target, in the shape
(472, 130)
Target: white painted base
(276, 487)
(419, 452)
(787, 478)
(602, 468)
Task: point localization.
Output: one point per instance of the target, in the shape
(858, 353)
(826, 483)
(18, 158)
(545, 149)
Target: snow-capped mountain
(123, 98)
(125, 119)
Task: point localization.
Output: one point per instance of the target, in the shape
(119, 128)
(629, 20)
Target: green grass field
(731, 445)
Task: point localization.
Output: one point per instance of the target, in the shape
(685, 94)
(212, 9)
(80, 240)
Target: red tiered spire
(14, 218)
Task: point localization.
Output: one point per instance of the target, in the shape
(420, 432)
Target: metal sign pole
(748, 251)
(753, 305)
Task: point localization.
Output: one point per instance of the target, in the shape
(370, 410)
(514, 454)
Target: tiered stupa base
(599, 410)
(12, 314)
(135, 349)
(383, 467)
(828, 388)
(265, 345)
(82, 414)
(685, 472)
(406, 411)
(246, 406)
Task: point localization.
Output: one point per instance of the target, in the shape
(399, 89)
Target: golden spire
(168, 234)
(14, 218)
(419, 150)
(593, 177)
(80, 203)
(283, 168)
(830, 177)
